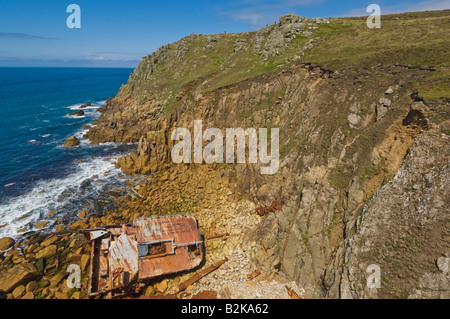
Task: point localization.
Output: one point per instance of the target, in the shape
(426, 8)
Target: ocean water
(37, 174)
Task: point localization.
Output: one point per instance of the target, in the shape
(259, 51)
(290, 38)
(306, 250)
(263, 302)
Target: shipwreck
(124, 257)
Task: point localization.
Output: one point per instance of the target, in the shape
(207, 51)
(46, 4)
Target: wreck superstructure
(122, 256)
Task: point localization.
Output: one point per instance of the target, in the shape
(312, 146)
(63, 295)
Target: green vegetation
(414, 43)
(305, 239)
(340, 178)
(413, 40)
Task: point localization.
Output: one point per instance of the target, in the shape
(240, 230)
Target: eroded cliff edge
(364, 126)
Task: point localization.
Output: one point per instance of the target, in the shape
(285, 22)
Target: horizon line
(70, 67)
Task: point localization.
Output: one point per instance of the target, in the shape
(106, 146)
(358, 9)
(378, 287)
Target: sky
(117, 33)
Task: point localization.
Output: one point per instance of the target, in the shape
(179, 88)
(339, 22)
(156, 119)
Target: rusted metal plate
(292, 293)
(263, 211)
(206, 294)
(253, 275)
(182, 229)
(148, 248)
(123, 256)
(184, 252)
(101, 232)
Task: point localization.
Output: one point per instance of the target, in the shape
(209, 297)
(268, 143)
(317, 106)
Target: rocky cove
(362, 180)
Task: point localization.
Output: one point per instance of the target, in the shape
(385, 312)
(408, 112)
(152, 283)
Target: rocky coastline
(362, 180)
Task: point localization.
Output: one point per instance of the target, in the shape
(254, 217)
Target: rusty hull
(148, 248)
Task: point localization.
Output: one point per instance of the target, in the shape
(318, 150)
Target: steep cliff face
(405, 230)
(345, 129)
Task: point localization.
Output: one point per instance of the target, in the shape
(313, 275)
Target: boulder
(149, 292)
(41, 225)
(47, 292)
(47, 252)
(85, 105)
(28, 295)
(52, 212)
(289, 19)
(58, 278)
(40, 264)
(79, 225)
(13, 252)
(443, 264)
(72, 142)
(162, 286)
(83, 214)
(32, 286)
(18, 292)
(77, 113)
(76, 295)
(49, 241)
(6, 243)
(60, 295)
(354, 119)
(19, 275)
(44, 283)
(382, 108)
(385, 101)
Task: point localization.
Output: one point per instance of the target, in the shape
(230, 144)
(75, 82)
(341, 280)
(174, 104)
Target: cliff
(364, 133)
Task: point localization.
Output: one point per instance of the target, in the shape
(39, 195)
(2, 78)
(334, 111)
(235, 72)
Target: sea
(37, 174)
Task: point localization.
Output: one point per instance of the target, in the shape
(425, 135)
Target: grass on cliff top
(410, 41)
(417, 40)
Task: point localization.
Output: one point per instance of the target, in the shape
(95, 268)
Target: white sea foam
(95, 105)
(79, 135)
(75, 116)
(89, 111)
(24, 211)
(32, 207)
(75, 106)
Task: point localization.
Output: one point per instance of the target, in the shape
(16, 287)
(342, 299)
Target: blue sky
(117, 33)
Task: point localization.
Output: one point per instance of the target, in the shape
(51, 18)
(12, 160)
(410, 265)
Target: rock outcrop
(363, 162)
(18, 275)
(6, 243)
(77, 113)
(72, 142)
(404, 229)
(152, 154)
